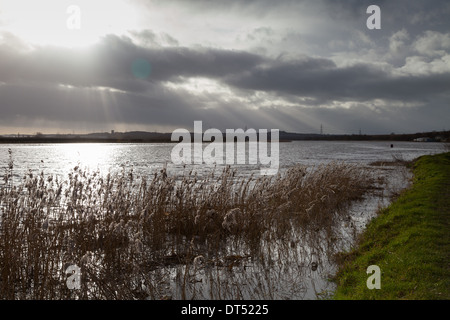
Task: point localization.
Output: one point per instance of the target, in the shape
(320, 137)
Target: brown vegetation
(165, 236)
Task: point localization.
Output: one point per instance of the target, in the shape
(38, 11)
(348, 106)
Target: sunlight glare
(44, 22)
(89, 156)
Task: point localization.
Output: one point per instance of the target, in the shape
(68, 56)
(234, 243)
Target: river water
(60, 159)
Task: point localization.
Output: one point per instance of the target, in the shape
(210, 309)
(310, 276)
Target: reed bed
(219, 236)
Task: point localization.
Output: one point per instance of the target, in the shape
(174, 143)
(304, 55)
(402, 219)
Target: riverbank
(409, 241)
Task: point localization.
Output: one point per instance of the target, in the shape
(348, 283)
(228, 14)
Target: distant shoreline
(87, 141)
(50, 141)
(155, 137)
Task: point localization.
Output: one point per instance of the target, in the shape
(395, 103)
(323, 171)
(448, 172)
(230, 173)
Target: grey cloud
(432, 43)
(383, 119)
(146, 101)
(302, 83)
(58, 104)
(322, 79)
(94, 109)
(152, 39)
(109, 64)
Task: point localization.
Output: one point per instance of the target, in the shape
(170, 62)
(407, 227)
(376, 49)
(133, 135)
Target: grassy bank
(409, 241)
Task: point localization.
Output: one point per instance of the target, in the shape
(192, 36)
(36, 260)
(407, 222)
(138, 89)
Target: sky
(80, 66)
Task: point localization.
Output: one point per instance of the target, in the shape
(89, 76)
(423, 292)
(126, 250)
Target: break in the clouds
(160, 65)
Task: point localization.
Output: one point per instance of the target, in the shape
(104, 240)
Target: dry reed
(213, 237)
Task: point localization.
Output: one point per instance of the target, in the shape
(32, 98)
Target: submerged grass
(409, 241)
(215, 237)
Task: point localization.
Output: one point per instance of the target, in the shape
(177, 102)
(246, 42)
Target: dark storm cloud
(161, 106)
(322, 79)
(110, 62)
(109, 65)
(52, 104)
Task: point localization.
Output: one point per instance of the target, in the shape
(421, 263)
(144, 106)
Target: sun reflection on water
(87, 156)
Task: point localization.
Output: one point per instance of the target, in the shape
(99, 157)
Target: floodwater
(59, 159)
(307, 277)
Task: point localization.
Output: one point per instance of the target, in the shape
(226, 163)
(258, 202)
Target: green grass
(409, 241)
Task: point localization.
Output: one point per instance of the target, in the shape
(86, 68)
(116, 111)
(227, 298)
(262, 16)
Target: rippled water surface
(59, 159)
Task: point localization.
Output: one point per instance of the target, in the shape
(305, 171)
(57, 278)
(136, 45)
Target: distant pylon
(321, 129)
